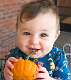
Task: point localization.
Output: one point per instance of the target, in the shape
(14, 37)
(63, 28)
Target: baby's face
(37, 36)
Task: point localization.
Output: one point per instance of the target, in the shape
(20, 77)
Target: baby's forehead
(42, 21)
(48, 16)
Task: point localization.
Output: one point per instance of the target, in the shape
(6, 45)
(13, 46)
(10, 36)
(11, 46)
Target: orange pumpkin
(24, 70)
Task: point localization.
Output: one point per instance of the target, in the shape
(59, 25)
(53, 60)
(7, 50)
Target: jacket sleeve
(62, 71)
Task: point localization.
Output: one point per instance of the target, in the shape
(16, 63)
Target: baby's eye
(44, 35)
(26, 33)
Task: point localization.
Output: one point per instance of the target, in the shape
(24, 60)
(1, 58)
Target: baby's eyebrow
(44, 30)
(24, 28)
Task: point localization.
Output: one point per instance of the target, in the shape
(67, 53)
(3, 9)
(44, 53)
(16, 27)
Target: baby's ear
(57, 35)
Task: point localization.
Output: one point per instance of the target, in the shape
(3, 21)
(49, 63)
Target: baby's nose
(35, 40)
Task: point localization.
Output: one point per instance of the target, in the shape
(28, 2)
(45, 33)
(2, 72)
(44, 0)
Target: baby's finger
(10, 61)
(42, 76)
(13, 59)
(9, 65)
(8, 72)
(8, 77)
(41, 69)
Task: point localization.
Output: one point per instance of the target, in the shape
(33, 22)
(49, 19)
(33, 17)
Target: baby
(37, 30)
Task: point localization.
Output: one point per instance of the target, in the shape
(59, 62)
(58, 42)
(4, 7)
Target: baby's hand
(42, 73)
(8, 66)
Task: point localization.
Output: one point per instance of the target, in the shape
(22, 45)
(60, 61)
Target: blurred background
(9, 9)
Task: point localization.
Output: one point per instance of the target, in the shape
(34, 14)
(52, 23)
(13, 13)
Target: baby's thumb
(10, 62)
(13, 59)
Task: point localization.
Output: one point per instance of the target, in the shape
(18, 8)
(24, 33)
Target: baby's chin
(38, 55)
(35, 56)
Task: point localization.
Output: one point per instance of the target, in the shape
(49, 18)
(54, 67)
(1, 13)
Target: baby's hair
(32, 9)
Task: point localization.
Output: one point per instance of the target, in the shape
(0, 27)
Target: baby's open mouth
(34, 50)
